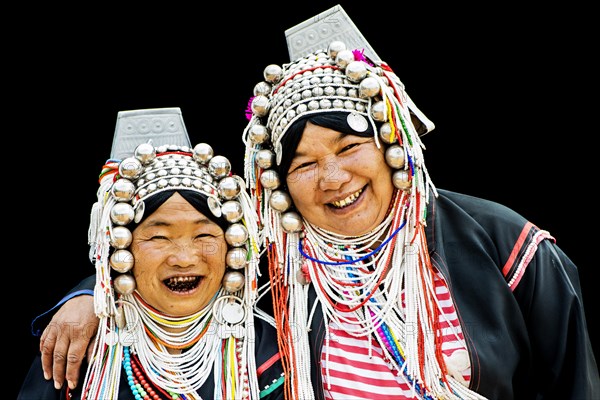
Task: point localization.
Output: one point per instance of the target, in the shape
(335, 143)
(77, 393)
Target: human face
(339, 182)
(179, 258)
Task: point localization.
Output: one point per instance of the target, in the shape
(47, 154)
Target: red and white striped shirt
(351, 374)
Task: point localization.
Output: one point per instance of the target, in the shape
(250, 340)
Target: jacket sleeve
(549, 294)
(85, 287)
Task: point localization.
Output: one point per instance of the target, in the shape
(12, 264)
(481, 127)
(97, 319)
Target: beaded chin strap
(124, 186)
(339, 79)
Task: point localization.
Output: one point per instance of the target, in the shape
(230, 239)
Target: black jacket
(528, 342)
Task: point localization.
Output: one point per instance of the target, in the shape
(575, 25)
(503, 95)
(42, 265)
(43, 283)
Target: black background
(510, 92)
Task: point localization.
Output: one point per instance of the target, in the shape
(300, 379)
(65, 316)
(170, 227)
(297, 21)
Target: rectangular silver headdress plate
(160, 125)
(317, 32)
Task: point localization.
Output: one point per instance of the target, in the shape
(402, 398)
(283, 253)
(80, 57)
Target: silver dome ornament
(280, 200)
(233, 281)
(232, 211)
(219, 166)
(265, 158)
(203, 152)
(130, 168)
(379, 111)
(270, 179)
(120, 237)
(262, 89)
(229, 188)
(356, 71)
(273, 73)
(236, 258)
(236, 235)
(369, 87)
(145, 152)
(121, 260)
(394, 156)
(121, 214)
(335, 47)
(343, 58)
(258, 134)
(291, 222)
(124, 284)
(385, 133)
(401, 179)
(123, 190)
(260, 106)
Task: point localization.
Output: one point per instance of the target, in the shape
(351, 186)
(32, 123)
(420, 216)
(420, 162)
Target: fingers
(64, 343)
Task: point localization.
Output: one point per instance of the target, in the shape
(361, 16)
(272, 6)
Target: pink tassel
(359, 55)
(249, 109)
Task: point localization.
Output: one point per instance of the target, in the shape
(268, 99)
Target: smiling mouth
(348, 200)
(182, 283)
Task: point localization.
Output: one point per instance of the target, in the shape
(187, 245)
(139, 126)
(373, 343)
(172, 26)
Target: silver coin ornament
(233, 312)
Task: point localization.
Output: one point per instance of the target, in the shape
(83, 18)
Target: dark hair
(337, 121)
(196, 199)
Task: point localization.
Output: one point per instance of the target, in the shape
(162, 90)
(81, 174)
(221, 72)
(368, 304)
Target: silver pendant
(357, 122)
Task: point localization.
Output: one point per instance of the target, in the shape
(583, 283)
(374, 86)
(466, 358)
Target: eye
(158, 237)
(301, 166)
(350, 146)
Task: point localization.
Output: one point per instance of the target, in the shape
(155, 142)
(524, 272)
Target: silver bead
(262, 89)
(273, 73)
(394, 156)
(145, 152)
(120, 237)
(260, 106)
(219, 166)
(291, 222)
(236, 258)
(121, 260)
(280, 200)
(122, 214)
(122, 190)
(265, 158)
(229, 188)
(356, 71)
(369, 87)
(379, 111)
(203, 152)
(236, 235)
(270, 179)
(385, 133)
(233, 281)
(130, 168)
(124, 284)
(343, 58)
(401, 179)
(232, 211)
(258, 134)
(335, 47)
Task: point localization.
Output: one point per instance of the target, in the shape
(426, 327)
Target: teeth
(348, 200)
(182, 283)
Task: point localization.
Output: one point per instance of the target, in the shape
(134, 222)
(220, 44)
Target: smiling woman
(175, 245)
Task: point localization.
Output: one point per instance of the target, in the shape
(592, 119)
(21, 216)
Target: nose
(184, 255)
(332, 174)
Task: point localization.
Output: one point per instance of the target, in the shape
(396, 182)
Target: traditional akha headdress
(328, 77)
(214, 337)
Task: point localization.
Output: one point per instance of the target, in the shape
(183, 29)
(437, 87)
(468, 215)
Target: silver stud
(394, 156)
(233, 281)
(124, 284)
(291, 222)
(232, 211)
(229, 188)
(236, 258)
(280, 200)
(121, 260)
(270, 179)
(236, 235)
(120, 237)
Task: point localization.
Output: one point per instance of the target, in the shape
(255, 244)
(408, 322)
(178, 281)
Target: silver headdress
(333, 69)
(151, 155)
